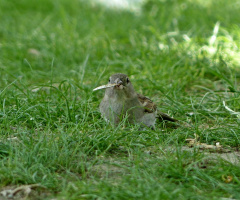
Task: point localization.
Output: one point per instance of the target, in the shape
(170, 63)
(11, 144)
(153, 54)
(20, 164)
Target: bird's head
(123, 86)
(119, 86)
(121, 81)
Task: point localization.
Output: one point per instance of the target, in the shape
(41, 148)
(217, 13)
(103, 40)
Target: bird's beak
(119, 83)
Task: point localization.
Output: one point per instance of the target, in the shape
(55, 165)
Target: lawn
(183, 54)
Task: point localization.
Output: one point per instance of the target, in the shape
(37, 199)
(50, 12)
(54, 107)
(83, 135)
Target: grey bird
(121, 100)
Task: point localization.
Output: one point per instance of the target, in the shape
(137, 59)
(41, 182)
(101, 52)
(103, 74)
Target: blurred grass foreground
(183, 54)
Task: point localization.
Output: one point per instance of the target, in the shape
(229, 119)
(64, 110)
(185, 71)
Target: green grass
(53, 53)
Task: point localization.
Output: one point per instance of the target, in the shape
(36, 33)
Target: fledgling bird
(121, 100)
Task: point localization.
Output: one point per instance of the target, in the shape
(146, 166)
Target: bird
(121, 100)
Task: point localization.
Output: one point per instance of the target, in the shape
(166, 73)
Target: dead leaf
(45, 88)
(12, 138)
(227, 179)
(192, 142)
(105, 86)
(10, 193)
(34, 52)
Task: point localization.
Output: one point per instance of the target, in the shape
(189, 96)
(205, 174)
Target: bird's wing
(151, 107)
(147, 103)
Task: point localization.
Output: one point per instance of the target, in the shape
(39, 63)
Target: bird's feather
(147, 103)
(151, 107)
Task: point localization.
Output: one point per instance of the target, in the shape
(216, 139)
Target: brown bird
(121, 100)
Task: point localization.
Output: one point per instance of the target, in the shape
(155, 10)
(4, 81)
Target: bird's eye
(128, 80)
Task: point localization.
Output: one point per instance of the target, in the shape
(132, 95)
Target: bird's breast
(120, 105)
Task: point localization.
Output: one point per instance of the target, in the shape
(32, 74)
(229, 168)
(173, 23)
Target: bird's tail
(163, 117)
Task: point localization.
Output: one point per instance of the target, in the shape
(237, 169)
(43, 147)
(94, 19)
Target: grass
(53, 53)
